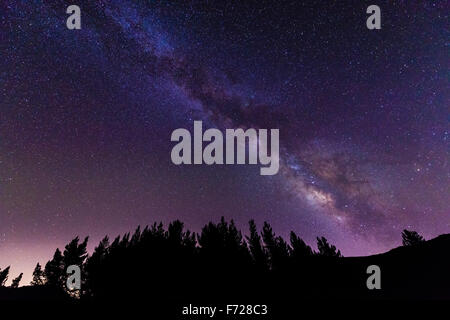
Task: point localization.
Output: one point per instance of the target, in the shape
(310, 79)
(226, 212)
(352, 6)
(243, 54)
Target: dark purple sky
(86, 117)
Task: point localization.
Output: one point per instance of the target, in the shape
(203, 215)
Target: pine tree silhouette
(411, 238)
(326, 249)
(54, 270)
(38, 276)
(93, 267)
(16, 281)
(256, 248)
(74, 253)
(277, 248)
(300, 249)
(4, 276)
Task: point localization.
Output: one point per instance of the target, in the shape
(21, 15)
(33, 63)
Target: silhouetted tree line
(175, 264)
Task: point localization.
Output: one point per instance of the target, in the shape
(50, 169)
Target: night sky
(86, 117)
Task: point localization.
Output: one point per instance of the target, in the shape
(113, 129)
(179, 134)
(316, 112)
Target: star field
(86, 117)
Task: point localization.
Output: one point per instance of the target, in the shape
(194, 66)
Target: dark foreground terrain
(173, 268)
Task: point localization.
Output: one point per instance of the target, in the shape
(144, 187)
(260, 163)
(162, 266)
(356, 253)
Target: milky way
(86, 117)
